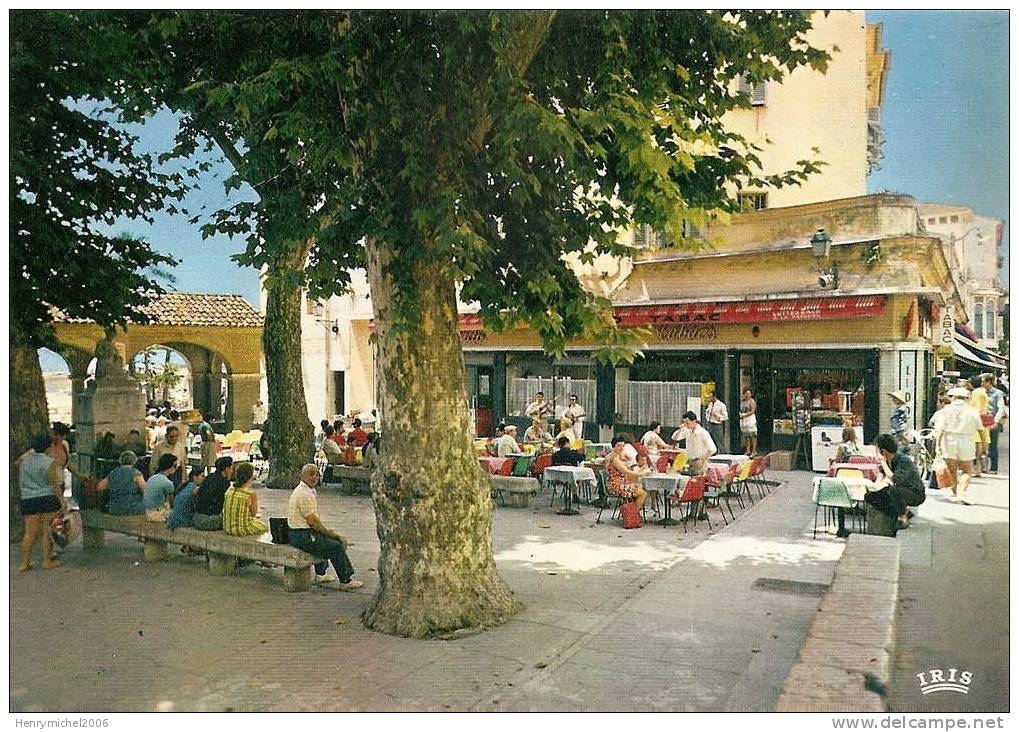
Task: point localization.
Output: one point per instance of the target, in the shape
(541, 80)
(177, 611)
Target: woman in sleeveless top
(240, 505)
(622, 480)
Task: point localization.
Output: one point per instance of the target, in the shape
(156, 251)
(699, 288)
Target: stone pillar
(113, 402)
(77, 361)
(243, 392)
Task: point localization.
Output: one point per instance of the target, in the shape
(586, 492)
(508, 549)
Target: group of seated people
(335, 444)
(206, 502)
(506, 440)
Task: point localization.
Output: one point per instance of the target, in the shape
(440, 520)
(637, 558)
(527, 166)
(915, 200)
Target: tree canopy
(75, 169)
(495, 142)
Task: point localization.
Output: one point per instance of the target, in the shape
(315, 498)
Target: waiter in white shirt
(699, 445)
(576, 413)
(716, 415)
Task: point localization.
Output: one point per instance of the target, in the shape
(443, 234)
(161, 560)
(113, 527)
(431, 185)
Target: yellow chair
(529, 449)
(680, 462)
(741, 481)
(848, 473)
(577, 445)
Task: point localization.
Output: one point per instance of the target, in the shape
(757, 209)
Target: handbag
(280, 530)
(630, 515)
(987, 420)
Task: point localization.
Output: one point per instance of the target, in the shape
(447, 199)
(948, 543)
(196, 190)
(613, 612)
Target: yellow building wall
(361, 372)
(810, 109)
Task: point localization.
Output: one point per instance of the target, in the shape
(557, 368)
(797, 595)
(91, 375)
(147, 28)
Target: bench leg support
(520, 500)
(155, 551)
(221, 564)
(93, 539)
(297, 579)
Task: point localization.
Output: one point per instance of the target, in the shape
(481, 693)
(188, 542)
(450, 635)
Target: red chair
(540, 463)
(663, 464)
(507, 467)
(693, 497)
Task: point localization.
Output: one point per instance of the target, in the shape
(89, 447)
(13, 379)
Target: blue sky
(945, 117)
(945, 109)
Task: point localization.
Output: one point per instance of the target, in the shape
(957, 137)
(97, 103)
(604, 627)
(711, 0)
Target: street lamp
(820, 244)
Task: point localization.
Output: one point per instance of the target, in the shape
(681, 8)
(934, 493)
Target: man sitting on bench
(210, 496)
(307, 532)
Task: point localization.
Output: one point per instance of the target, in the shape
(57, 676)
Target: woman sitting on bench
(240, 506)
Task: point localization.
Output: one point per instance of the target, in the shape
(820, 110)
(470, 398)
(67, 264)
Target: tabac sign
(944, 336)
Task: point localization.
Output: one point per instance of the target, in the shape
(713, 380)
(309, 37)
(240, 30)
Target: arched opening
(56, 375)
(187, 375)
(165, 374)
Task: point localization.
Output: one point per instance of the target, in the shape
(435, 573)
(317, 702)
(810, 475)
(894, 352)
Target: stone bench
(359, 478)
(846, 657)
(520, 489)
(222, 549)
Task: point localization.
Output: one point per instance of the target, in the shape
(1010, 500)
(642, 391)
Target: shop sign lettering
(686, 332)
(472, 336)
(946, 329)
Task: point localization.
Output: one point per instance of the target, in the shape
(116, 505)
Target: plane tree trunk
(29, 415)
(433, 504)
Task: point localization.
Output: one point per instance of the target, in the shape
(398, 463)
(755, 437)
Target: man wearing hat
(954, 434)
(900, 417)
(506, 444)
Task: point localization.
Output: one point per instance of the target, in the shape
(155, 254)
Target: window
(932, 220)
(943, 220)
(978, 319)
(644, 237)
(758, 92)
(690, 231)
(955, 219)
(752, 201)
(990, 319)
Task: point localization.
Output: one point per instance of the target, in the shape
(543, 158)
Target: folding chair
(693, 497)
(680, 461)
(832, 495)
(717, 491)
(848, 473)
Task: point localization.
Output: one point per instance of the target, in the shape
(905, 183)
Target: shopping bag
(630, 515)
(944, 475)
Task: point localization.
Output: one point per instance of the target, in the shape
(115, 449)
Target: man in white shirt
(537, 432)
(699, 445)
(172, 445)
(507, 443)
(539, 408)
(716, 415)
(576, 413)
(307, 532)
(259, 414)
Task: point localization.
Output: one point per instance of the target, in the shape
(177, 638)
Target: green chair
(832, 495)
(521, 468)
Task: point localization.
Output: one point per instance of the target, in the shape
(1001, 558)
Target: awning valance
(757, 311)
(964, 353)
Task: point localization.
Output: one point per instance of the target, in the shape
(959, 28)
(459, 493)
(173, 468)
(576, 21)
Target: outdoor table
(493, 465)
(870, 471)
(728, 459)
(569, 477)
(668, 484)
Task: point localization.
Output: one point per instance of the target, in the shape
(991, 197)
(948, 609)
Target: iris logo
(937, 680)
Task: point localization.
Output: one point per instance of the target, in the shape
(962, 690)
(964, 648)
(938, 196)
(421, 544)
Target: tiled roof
(195, 309)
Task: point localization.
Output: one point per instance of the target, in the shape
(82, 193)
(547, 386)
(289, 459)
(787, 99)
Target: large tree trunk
(433, 505)
(289, 431)
(29, 415)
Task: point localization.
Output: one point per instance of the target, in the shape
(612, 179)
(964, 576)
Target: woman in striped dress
(240, 505)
